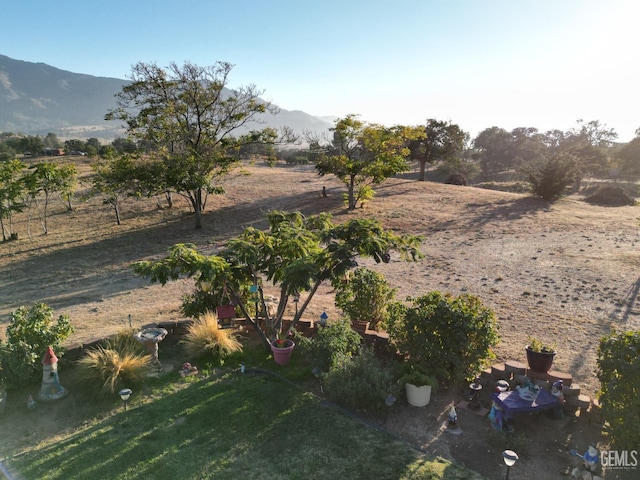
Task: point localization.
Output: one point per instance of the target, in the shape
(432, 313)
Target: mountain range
(36, 99)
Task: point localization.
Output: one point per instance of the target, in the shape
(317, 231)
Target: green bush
(363, 295)
(331, 343)
(619, 375)
(550, 177)
(449, 336)
(362, 382)
(30, 332)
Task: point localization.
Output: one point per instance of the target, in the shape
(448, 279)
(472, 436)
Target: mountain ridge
(37, 98)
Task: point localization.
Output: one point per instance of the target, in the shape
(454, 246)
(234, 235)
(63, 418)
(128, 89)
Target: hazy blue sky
(516, 63)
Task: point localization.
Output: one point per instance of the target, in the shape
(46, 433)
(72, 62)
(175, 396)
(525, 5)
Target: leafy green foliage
(188, 118)
(449, 336)
(297, 254)
(363, 295)
(362, 155)
(619, 375)
(362, 382)
(30, 332)
(442, 141)
(12, 188)
(333, 342)
(550, 177)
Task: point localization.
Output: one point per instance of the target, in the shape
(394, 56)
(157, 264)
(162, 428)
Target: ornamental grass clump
(204, 336)
(112, 369)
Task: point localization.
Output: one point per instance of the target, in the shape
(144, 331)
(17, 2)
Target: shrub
(457, 179)
(363, 295)
(30, 332)
(610, 195)
(449, 336)
(330, 344)
(204, 336)
(619, 375)
(362, 382)
(550, 177)
(111, 369)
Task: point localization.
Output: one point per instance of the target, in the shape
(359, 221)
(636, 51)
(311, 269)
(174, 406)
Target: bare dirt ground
(566, 272)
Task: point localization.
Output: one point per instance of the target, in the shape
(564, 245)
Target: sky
(476, 63)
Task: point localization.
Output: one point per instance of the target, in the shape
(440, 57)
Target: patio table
(511, 402)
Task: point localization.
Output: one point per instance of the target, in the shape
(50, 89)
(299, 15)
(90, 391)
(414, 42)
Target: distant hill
(36, 99)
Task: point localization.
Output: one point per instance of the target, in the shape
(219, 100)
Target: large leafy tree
(296, 255)
(363, 155)
(191, 121)
(495, 151)
(443, 141)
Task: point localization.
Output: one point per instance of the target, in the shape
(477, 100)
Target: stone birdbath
(150, 337)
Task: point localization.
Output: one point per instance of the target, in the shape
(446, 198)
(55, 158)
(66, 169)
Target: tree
(494, 145)
(628, 157)
(51, 141)
(297, 254)
(50, 178)
(11, 194)
(115, 179)
(362, 155)
(443, 141)
(589, 143)
(189, 117)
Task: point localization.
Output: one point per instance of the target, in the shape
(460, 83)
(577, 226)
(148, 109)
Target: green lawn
(229, 427)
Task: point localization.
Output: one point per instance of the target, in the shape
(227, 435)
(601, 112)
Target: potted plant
(363, 296)
(418, 387)
(540, 355)
(281, 348)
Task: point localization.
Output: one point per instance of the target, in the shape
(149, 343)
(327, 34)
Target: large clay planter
(360, 326)
(418, 396)
(540, 361)
(282, 355)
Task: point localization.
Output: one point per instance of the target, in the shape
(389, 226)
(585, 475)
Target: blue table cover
(511, 402)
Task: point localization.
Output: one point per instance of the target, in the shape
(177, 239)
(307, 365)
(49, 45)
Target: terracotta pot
(360, 326)
(282, 355)
(540, 361)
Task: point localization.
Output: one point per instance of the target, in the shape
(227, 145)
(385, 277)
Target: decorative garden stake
(509, 457)
(474, 394)
(125, 393)
(50, 388)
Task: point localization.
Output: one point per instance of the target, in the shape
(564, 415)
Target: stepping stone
(499, 372)
(515, 367)
(566, 378)
(571, 390)
(581, 401)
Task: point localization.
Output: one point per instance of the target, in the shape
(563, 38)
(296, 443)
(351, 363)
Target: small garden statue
(50, 388)
(188, 370)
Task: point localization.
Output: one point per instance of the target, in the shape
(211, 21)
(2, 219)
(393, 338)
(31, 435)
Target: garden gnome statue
(590, 458)
(51, 388)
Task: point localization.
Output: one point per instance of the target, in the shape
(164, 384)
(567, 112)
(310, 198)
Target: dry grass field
(566, 272)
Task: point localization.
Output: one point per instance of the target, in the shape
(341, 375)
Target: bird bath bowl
(150, 338)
